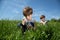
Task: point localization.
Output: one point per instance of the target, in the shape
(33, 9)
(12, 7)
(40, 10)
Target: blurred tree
(53, 19)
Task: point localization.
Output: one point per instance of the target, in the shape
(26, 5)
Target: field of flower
(10, 31)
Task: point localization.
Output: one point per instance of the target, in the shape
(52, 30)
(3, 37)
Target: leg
(24, 28)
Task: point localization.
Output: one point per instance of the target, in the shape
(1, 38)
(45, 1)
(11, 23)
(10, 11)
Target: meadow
(10, 31)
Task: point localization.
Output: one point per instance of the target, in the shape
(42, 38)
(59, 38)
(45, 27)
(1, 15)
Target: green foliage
(55, 20)
(10, 31)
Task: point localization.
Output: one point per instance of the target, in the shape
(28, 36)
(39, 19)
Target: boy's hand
(23, 21)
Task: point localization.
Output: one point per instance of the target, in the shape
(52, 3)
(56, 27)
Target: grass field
(10, 31)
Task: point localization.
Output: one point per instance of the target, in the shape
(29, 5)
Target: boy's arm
(23, 22)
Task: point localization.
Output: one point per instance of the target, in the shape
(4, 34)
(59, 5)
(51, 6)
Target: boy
(27, 22)
(43, 21)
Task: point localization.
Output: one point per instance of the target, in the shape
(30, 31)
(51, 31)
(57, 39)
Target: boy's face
(43, 19)
(29, 17)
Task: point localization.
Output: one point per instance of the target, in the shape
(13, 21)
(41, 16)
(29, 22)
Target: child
(27, 21)
(43, 21)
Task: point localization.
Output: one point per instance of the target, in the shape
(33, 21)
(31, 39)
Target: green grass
(10, 31)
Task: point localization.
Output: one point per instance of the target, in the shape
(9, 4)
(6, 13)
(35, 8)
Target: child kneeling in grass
(27, 22)
(43, 21)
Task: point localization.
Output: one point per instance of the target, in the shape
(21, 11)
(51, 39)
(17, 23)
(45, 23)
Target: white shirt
(43, 22)
(24, 18)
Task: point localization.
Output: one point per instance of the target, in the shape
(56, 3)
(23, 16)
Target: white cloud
(38, 12)
(55, 17)
(15, 11)
(17, 3)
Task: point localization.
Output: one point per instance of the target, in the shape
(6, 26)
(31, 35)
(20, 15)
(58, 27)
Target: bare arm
(23, 22)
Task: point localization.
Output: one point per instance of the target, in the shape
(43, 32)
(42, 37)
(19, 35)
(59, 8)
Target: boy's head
(27, 12)
(42, 17)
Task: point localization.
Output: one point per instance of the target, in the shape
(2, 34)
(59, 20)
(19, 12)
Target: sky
(13, 9)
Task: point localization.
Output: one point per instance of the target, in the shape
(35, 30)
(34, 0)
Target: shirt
(29, 23)
(43, 22)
